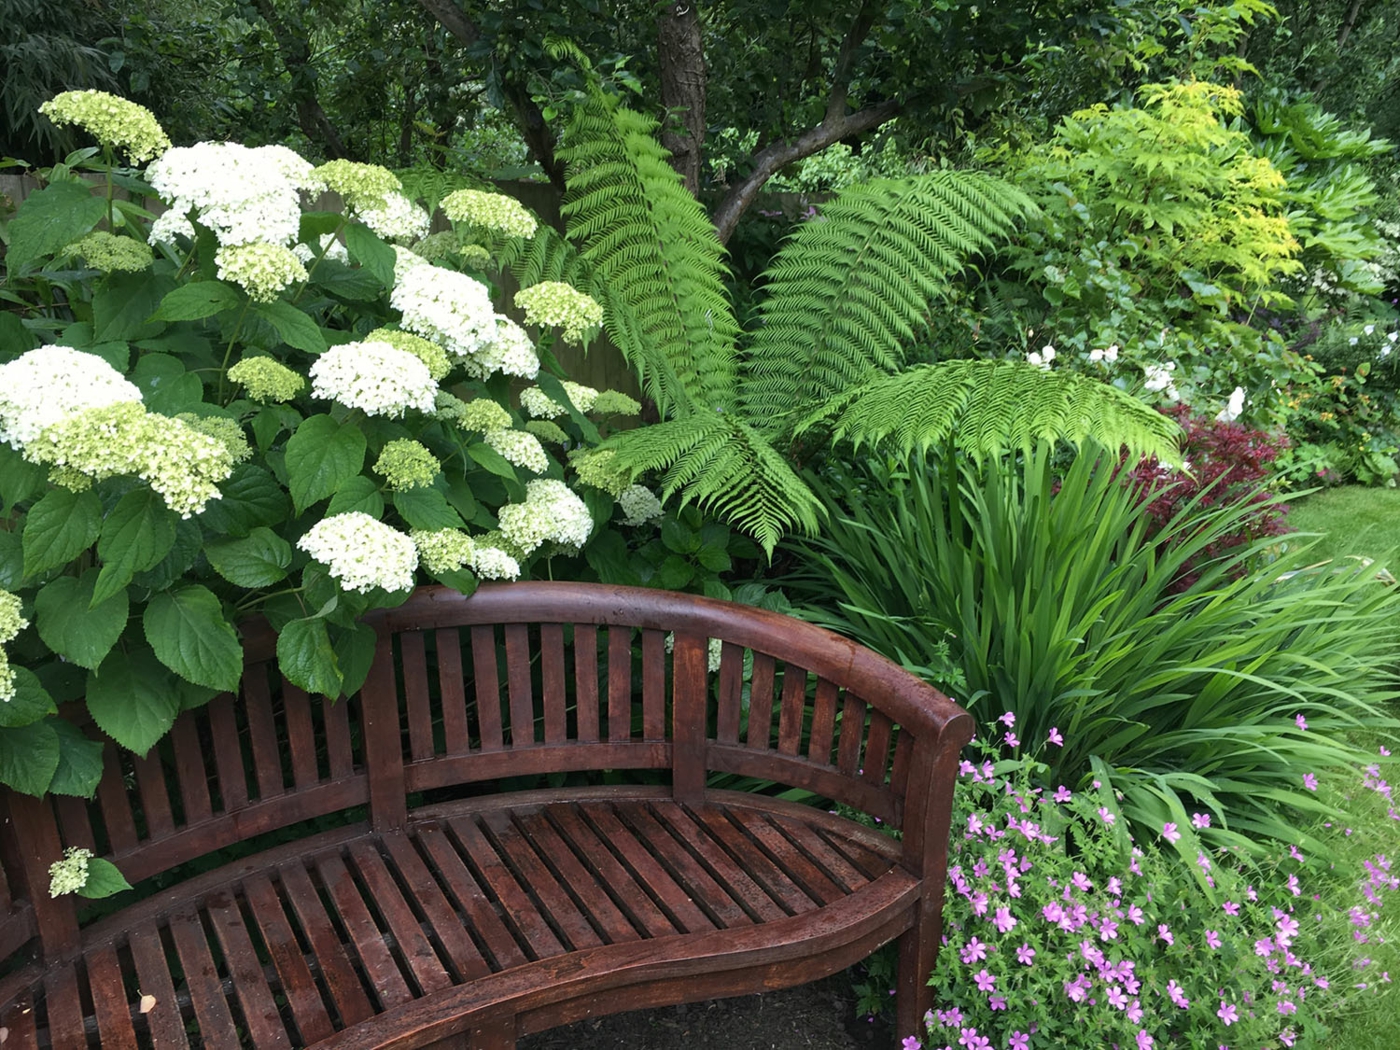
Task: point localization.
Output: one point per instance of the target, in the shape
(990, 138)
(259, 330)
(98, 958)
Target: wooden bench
(515, 825)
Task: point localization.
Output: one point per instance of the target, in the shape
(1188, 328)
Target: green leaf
(79, 762)
(488, 457)
(306, 658)
(187, 630)
(356, 285)
(252, 497)
(15, 339)
(50, 220)
(373, 254)
(321, 456)
(354, 653)
(60, 527)
(260, 559)
(133, 700)
(73, 626)
(103, 880)
(675, 572)
(165, 385)
(136, 536)
(194, 302)
(11, 560)
(270, 421)
(123, 304)
(296, 329)
(678, 537)
(29, 757)
(426, 508)
(555, 390)
(189, 539)
(716, 559)
(460, 580)
(30, 703)
(19, 478)
(358, 494)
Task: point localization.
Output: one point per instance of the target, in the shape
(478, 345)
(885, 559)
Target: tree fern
(654, 256)
(848, 294)
(726, 467)
(987, 407)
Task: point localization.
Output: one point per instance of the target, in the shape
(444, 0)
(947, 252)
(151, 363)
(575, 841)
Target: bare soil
(817, 1016)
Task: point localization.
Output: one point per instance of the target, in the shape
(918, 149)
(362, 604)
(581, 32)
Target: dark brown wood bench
(465, 886)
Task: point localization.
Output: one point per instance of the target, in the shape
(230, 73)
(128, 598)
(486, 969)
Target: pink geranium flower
(1227, 1013)
(1170, 833)
(1055, 737)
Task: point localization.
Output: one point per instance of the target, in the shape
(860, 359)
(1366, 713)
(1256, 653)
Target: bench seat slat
(163, 1021)
(109, 1002)
(260, 1012)
(470, 899)
(590, 892)
(797, 866)
(19, 1020)
(308, 1008)
(530, 925)
(655, 879)
(382, 971)
(711, 853)
(65, 1009)
(415, 948)
(774, 880)
(206, 989)
(698, 883)
(555, 903)
(336, 968)
(443, 919)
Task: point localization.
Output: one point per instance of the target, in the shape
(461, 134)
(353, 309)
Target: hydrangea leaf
(259, 559)
(103, 880)
(486, 456)
(60, 527)
(189, 540)
(122, 306)
(79, 762)
(187, 630)
(359, 493)
(75, 627)
(426, 508)
(296, 329)
(11, 560)
(252, 497)
(194, 302)
(136, 536)
(372, 253)
(133, 700)
(354, 653)
(165, 385)
(307, 659)
(19, 478)
(30, 703)
(321, 456)
(50, 220)
(29, 757)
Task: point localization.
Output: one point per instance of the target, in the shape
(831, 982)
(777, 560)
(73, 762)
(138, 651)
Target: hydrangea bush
(245, 405)
(1061, 930)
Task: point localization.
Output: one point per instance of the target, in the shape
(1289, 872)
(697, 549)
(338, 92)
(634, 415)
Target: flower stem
(228, 350)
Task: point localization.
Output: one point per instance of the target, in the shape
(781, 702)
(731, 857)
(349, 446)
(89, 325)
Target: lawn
(1352, 520)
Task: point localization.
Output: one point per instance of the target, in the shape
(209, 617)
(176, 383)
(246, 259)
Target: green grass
(1353, 520)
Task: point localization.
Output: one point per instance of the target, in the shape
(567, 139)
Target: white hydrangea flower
(492, 563)
(1233, 407)
(511, 352)
(560, 305)
(114, 121)
(380, 379)
(1043, 358)
(330, 248)
(520, 448)
(170, 224)
(43, 386)
(449, 308)
(639, 504)
(397, 219)
(539, 405)
(242, 194)
(443, 550)
(70, 874)
(362, 553)
(11, 622)
(262, 270)
(551, 511)
(492, 211)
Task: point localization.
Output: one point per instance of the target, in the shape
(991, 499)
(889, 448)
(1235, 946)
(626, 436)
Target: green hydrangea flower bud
(443, 550)
(492, 211)
(615, 403)
(547, 431)
(112, 121)
(559, 305)
(112, 254)
(432, 355)
(262, 270)
(223, 429)
(406, 464)
(267, 381)
(361, 185)
(599, 469)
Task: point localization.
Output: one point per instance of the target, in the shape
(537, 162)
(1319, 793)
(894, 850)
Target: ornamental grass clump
(1063, 929)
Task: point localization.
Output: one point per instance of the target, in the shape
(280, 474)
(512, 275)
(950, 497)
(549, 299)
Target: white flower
(70, 874)
(262, 270)
(1393, 336)
(1048, 352)
(1369, 329)
(539, 405)
(380, 379)
(492, 563)
(1159, 377)
(1353, 340)
(520, 448)
(170, 224)
(639, 504)
(1096, 356)
(492, 211)
(330, 248)
(362, 553)
(1111, 354)
(510, 352)
(242, 194)
(47, 384)
(551, 511)
(447, 307)
(397, 219)
(1233, 408)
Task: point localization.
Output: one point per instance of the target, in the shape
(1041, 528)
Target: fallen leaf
(148, 1003)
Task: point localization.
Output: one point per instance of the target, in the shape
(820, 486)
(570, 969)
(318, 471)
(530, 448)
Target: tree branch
(778, 155)
(296, 58)
(451, 18)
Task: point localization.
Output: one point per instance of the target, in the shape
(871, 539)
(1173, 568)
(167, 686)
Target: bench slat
(470, 898)
(202, 982)
(301, 736)
(586, 681)
(262, 734)
(793, 710)
(414, 946)
(553, 694)
(19, 1020)
(519, 687)
(116, 807)
(487, 684)
(814, 882)
(555, 903)
(452, 686)
(653, 685)
(591, 893)
(109, 1003)
(446, 924)
(155, 798)
(736, 882)
(413, 650)
(228, 756)
(823, 723)
(308, 1008)
(657, 882)
(335, 718)
(337, 970)
(630, 897)
(65, 1009)
(260, 1012)
(536, 936)
(783, 889)
(698, 883)
(163, 1021)
(877, 748)
(383, 974)
(191, 770)
(761, 702)
(731, 690)
(619, 683)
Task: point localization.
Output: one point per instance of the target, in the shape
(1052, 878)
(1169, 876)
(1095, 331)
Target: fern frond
(726, 467)
(987, 407)
(430, 185)
(847, 294)
(546, 256)
(654, 256)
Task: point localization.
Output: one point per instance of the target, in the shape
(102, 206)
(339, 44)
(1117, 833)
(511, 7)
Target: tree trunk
(681, 54)
(1349, 24)
(296, 57)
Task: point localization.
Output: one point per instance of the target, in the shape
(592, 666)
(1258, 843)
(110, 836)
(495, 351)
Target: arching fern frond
(849, 292)
(725, 467)
(654, 256)
(546, 256)
(988, 407)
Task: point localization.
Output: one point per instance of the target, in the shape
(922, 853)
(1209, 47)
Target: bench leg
(918, 952)
(498, 1036)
